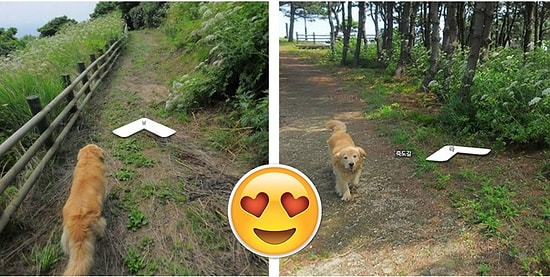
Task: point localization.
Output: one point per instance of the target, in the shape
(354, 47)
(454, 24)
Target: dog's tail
(336, 125)
(81, 250)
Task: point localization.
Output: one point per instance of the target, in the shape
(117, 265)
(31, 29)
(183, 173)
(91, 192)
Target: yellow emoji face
(274, 211)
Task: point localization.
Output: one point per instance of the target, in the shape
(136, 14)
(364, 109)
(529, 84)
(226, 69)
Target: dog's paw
(346, 196)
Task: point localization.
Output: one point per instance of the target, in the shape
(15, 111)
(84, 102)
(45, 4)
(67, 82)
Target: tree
(406, 37)
(8, 41)
(434, 45)
(528, 26)
(374, 16)
(360, 32)
(450, 39)
(308, 11)
(346, 30)
(54, 25)
(387, 36)
(483, 14)
(104, 8)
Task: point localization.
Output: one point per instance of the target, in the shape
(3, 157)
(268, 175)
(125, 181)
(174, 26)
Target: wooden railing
(320, 41)
(312, 39)
(90, 77)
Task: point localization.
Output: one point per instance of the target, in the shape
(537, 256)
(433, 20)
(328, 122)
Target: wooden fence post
(100, 63)
(36, 107)
(66, 80)
(313, 37)
(82, 68)
(92, 60)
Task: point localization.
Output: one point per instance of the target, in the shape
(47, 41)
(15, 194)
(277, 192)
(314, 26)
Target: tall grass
(36, 70)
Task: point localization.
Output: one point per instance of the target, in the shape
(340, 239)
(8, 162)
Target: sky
(319, 27)
(29, 16)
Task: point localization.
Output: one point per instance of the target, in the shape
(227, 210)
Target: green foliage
(509, 99)
(43, 259)
(483, 269)
(491, 205)
(235, 36)
(134, 261)
(53, 26)
(8, 41)
(129, 152)
(104, 8)
(146, 15)
(229, 41)
(136, 219)
(36, 69)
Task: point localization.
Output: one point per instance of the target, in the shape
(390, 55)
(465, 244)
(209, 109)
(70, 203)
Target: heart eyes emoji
(291, 205)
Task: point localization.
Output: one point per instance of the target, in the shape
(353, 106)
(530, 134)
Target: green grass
(483, 269)
(43, 259)
(134, 261)
(37, 69)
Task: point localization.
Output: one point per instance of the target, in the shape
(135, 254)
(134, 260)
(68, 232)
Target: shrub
(509, 98)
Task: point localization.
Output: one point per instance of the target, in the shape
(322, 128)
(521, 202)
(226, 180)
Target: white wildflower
(546, 92)
(534, 101)
(433, 83)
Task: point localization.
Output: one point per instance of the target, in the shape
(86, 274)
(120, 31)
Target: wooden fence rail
(317, 41)
(98, 69)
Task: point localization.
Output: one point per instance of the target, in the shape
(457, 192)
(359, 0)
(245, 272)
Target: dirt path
(392, 226)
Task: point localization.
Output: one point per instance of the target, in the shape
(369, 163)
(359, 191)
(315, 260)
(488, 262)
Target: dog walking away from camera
(82, 220)
(347, 158)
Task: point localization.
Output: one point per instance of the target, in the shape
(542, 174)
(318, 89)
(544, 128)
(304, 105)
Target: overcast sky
(29, 16)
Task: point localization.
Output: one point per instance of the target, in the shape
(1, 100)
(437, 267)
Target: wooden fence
(312, 40)
(90, 77)
(319, 41)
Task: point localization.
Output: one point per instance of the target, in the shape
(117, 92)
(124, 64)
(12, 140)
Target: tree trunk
(542, 19)
(388, 30)
(425, 25)
(434, 45)
(347, 31)
(406, 37)
(460, 24)
(528, 26)
(292, 18)
(450, 38)
(482, 10)
(412, 20)
(360, 33)
(374, 16)
(332, 34)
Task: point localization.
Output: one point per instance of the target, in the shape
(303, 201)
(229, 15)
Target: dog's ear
(100, 154)
(362, 152)
(336, 157)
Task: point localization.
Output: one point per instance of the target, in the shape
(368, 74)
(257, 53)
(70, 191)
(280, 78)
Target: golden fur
(347, 158)
(82, 220)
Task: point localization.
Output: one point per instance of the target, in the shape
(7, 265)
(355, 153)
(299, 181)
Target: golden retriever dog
(82, 220)
(347, 159)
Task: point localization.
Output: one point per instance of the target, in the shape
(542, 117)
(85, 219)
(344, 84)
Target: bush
(229, 41)
(509, 98)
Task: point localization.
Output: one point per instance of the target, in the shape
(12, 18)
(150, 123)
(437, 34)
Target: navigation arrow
(448, 151)
(144, 123)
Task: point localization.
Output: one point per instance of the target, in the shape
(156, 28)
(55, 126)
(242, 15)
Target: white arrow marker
(448, 151)
(144, 123)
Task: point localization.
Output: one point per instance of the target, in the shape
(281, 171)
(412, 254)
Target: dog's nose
(351, 164)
